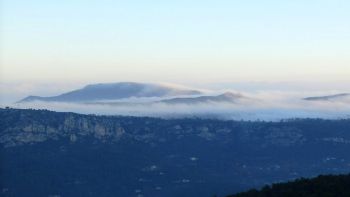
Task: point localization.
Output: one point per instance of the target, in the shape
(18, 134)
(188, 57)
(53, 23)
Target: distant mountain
(328, 97)
(227, 97)
(111, 91)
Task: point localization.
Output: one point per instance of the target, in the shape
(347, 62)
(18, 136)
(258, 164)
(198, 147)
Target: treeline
(321, 186)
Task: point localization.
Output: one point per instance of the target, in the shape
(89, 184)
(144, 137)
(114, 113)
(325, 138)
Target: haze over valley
(173, 101)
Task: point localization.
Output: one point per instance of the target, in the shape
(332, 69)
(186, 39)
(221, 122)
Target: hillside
(321, 186)
(45, 153)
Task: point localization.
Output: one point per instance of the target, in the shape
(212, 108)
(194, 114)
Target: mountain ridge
(227, 97)
(119, 90)
(327, 97)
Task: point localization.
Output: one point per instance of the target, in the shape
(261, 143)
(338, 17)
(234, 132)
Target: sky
(45, 43)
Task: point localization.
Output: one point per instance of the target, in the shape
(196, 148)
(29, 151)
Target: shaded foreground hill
(321, 186)
(45, 153)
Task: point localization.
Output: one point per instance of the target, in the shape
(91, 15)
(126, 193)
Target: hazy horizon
(14, 91)
(257, 101)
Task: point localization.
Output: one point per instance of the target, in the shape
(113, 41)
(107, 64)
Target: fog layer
(264, 105)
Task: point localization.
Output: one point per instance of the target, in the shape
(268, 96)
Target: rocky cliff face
(26, 128)
(20, 127)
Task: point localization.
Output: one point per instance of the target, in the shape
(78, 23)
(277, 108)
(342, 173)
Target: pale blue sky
(174, 41)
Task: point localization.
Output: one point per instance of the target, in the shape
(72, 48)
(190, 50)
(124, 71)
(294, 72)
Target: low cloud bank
(271, 106)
